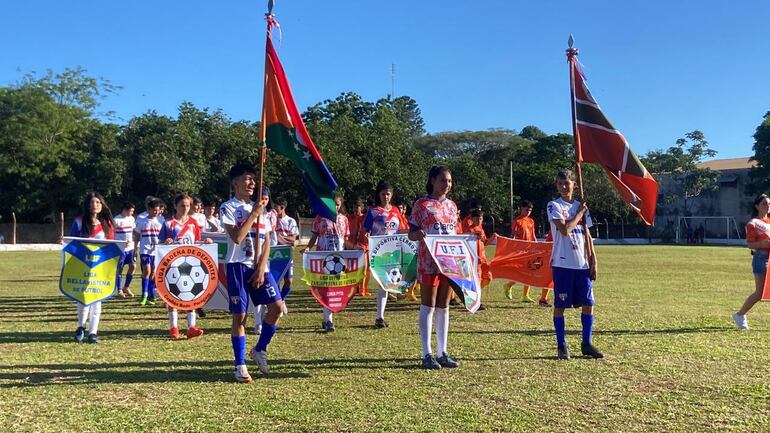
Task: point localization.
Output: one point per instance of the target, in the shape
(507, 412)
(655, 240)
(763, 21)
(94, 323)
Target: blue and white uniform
(572, 284)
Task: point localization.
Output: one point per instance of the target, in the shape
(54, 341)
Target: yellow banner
(89, 269)
(333, 268)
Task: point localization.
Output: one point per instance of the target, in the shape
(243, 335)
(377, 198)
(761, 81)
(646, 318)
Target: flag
(525, 262)
(393, 262)
(455, 257)
(333, 276)
(597, 141)
(89, 269)
(284, 132)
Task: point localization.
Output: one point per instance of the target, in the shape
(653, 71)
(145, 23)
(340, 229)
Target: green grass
(674, 361)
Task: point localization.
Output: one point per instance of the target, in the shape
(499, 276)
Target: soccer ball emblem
(334, 264)
(186, 278)
(394, 275)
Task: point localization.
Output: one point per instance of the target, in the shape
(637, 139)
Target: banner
(524, 262)
(186, 275)
(333, 276)
(393, 262)
(456, 259)
(89, 269)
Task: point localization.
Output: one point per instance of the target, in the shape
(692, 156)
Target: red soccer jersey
(434, 217)
(758, 229)
(524, 228)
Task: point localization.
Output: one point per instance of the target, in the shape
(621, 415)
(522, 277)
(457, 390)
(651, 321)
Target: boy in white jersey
(286, 233)
(149, 229)
(124, 231)
(248, 275)
(573, 264)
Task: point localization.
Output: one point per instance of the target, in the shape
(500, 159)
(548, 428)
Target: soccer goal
(707, 229)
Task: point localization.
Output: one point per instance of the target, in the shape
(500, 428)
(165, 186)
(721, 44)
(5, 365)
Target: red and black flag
(597, 141)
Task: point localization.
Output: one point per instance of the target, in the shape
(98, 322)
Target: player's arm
(310, 243)
(758, 244)
(566, 227)
(258, 277)
(238, 234)
(416, 233)
(591, 252)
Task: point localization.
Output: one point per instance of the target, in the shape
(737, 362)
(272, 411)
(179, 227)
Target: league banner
(186, 276)
(455, 256)
(333, 276)
(524, 262)
(89, 269)
(393, 262)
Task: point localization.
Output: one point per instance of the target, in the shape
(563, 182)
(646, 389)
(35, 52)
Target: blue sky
(659, 69)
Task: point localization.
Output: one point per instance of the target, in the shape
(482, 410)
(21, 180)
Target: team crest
(186, 276)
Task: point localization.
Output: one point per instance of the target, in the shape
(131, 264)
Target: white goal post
(724, 227)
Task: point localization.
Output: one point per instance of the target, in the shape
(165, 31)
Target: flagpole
(571, 54)
(269, 17)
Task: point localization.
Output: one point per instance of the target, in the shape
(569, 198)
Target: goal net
(707, 229)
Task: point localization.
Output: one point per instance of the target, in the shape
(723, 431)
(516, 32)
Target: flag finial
(570, 41)
(270, 5)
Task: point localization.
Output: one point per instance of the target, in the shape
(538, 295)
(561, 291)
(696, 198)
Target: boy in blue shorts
(148, 228)
(573, 264)
(248, 275)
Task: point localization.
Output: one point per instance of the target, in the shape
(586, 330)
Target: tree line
(55, 145)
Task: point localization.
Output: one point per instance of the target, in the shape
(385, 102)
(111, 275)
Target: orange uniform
(484, 273)
(523, 228)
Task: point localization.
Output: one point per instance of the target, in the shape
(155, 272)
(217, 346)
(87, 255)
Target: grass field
(674, 361)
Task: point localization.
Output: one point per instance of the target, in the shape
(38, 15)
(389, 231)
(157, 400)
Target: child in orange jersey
(523, 227)
(758, 239)
(475, 227)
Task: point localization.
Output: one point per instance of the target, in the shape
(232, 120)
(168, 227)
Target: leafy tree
(760, 174)
(681, 163)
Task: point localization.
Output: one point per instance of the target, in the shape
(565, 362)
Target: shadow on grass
(68, 337)
(539, 332)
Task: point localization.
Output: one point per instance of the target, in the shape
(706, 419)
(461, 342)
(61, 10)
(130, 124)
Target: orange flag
(525, 262)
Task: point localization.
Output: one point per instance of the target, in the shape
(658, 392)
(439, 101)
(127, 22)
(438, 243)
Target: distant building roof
(728, 164)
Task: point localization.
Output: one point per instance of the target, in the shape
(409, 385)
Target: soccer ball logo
(187, 278)
(394, 275)
(334, 264)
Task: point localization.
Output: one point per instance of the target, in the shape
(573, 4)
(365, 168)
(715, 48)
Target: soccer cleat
(93, 339)
(128, 293)
(562, 352)
(447, 361)
(121, 294)
(151, 301)
(527, 300)
(193, 332)
(741, 321)
(173, 333)
(328, 326)
(201, 313)
(260, 357)
(590, 351)
(429, 363)
(509, 293)
(143, 301)
(242, 374)
(544, 303)
(453, 302)
(411, 296)
(79, 334)
(482, 307)
(380, 323)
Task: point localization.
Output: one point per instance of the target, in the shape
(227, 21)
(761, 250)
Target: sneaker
(741, 321)
(509, 293)
(79, 334)
(429, 363)
(446, 361)
(544, 303)
(527, 300)
(143, 301)
(201, 313)
(380, 323)
(121, 294)
(242, 374)
(411, 296)
(193, 332)
(392, 297)
(151, 301)
(590, 351)
(453, 302)
(482, 307)
(173, 333)
(128, 293)
(562, 352)
(93, 339)
(328, 326)
(260, 357)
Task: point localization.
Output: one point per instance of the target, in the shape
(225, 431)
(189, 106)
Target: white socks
(259, 314)
(92, 313)
(173, 319)
(328, 317)
(382, 300)
(190, 319)
(442, 329)
(425, 326)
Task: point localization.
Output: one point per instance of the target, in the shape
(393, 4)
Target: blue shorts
(572, 288)
(240, 291)
(128, 258)
(146, 259)
(759, 262)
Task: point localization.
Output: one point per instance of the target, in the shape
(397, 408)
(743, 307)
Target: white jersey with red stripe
(286, 226)
(234, 213)
(97, 231)
(149, 229)
(185, 232)
(568, 251)
(124, 230)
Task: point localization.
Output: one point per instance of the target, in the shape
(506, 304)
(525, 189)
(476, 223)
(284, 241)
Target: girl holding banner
(329, 235)
(182, 229)
(434, 214)
(382, 219)
(758, 239)
(95, 223)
